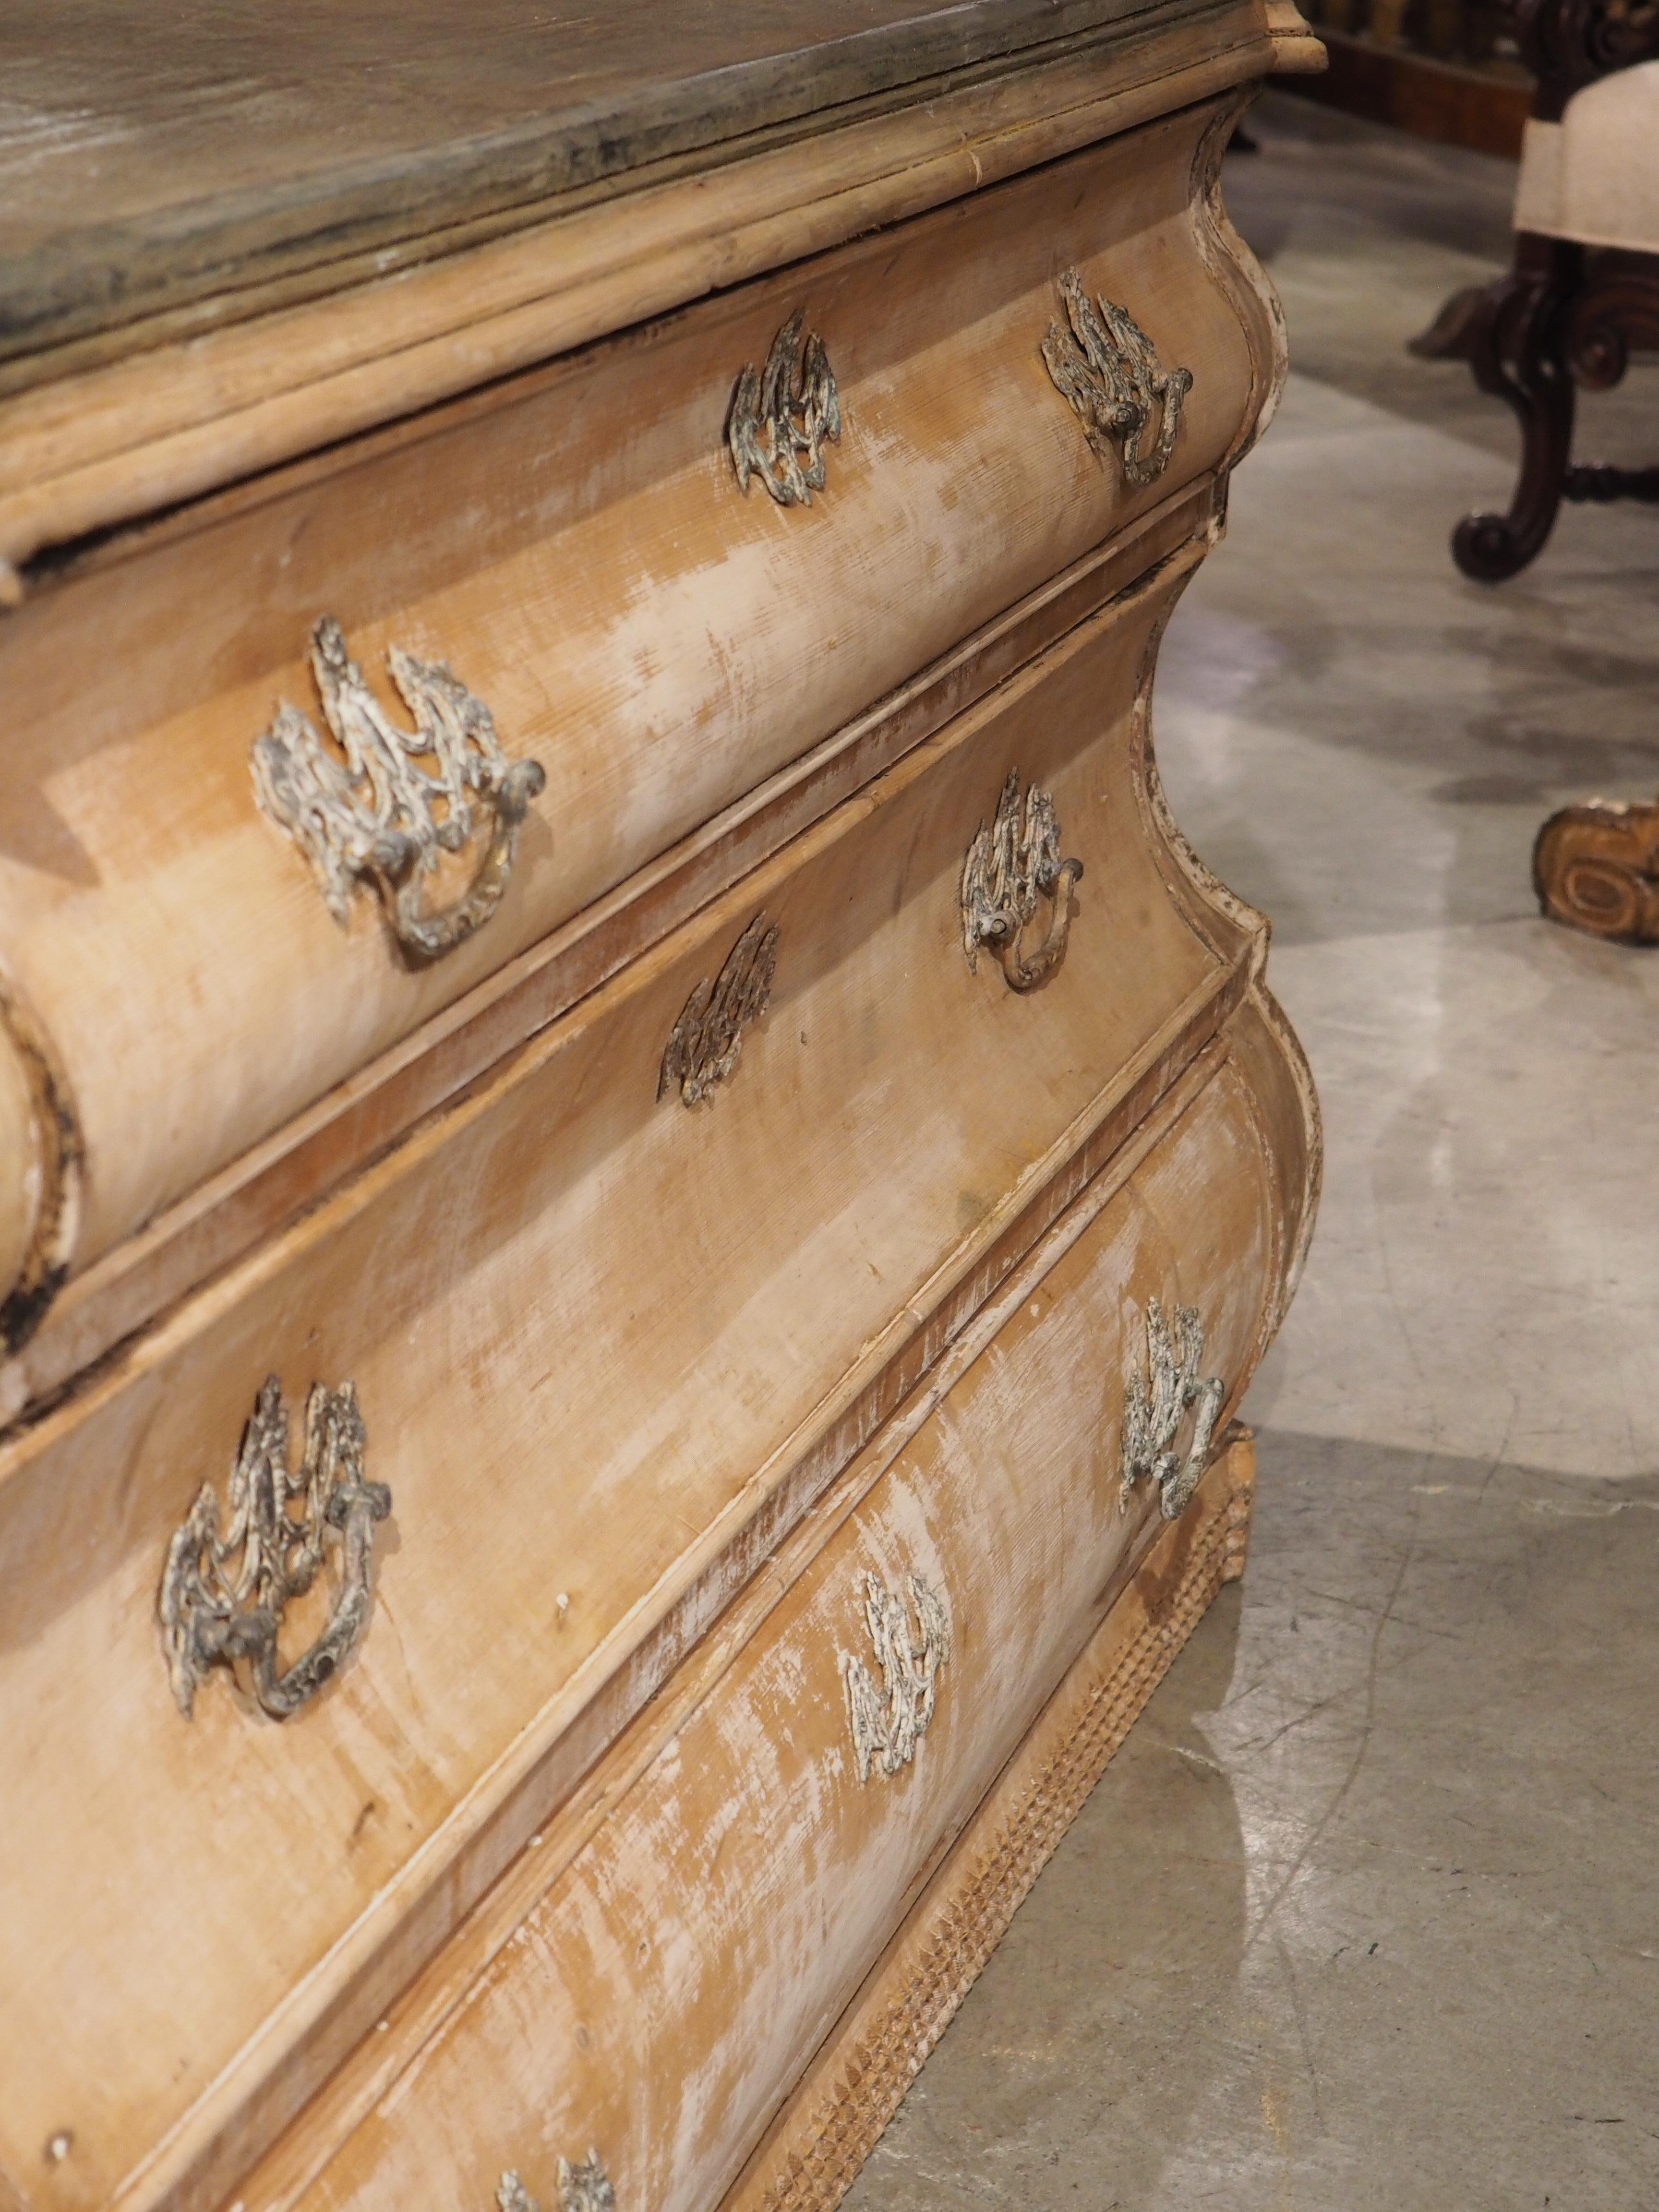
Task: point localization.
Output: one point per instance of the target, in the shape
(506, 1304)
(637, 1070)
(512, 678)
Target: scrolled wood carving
(890, 1719)
(54, 1171)
(363, 810)
(1596, 867)
(1568, 43)
(223, 1594)
(705, 1043)
(1155, 1405)
(1108, 369)
(782, 415)
(584, 2187)
(1010, 866)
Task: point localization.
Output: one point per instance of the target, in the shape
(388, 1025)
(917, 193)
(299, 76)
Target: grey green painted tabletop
(154, 154)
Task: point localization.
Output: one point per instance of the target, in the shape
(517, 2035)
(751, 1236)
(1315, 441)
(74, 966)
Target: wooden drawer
(607, 1349)
(664, 1988)
(575, 545)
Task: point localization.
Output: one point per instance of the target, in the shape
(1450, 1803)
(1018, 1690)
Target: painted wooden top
(152, 157)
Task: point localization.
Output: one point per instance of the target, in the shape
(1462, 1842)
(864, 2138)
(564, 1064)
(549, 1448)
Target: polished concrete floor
(1365, 1918)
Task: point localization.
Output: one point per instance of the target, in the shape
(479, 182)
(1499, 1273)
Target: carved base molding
(813, 2150)
(1596, 867)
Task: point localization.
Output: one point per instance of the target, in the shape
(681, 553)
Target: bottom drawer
(659, 1998)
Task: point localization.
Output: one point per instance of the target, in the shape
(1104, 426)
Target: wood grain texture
(656, 1999)
(226, 1215)
(791, 1542)
(1594, 868)
(216, 149)
(96, 446)
(574, 1848)
(855, 2084)
(577, 549)
(893, 1120)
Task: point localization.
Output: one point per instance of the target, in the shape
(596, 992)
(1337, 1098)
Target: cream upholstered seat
(1594, 176)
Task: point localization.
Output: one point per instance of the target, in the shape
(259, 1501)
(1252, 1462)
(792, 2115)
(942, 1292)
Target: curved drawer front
(660, 1270)
(572, 556)
(658, 2002)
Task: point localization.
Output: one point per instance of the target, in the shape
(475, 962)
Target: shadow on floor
(1361, 1919)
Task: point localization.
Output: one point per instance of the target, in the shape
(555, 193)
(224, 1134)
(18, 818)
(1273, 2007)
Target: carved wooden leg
(1515, 346)
(1596, 867)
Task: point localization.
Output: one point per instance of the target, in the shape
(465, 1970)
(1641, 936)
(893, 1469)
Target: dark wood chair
(1583, 290)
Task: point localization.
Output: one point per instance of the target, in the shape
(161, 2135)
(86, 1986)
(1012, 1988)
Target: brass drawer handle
(584, 2187)
(1107, 367)
(890, 1719)
(364, 811)
(781, 416)
(1009, 867)
(704, 1045)
(1155, 1403)
(214, 1612)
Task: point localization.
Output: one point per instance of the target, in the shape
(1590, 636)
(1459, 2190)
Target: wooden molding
(360, 1121)
(1596, 868)
(812, 2153)
(92, 449)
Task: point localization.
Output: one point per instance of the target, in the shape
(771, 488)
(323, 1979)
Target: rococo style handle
(890, 1719)
(1107, 367)
(1155, 1403)
(223, 1597)
(365, 811)
(584, 2187)
(1010, 866)
(705, 1044)
(781, 416)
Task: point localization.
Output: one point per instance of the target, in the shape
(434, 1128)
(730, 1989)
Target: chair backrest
(1568, 43)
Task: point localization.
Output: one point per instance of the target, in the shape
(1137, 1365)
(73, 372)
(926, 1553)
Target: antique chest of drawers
(639, 1177)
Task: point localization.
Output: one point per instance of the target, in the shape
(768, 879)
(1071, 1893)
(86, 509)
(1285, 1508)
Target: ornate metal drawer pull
(705, 1043)
(1107, 368)
(888, 1722)
(1154, 1407)
(214, 1613)
(585, 2187)
(1009, 867)
(781, 417)
(368, 813)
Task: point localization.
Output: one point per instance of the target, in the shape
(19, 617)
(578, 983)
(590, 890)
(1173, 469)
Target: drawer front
(650, 641)
(596, 1333)
(657, 2002)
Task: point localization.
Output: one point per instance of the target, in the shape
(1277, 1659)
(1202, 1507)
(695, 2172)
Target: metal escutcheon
(1011, 868)
(1108, 369)
(782, 415)
(366, 812)
(584, 2187)
(1155, 1405)
(224, 1595)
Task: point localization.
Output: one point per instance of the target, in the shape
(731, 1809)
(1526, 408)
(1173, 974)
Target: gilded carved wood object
(782, 417)
(705, 1043)
(1156, 1403)
(365, 811)
(1010, 866)
(1596, 867)
(1107, 368)
(890, 1719)
(584, 2187)
(224, 1595)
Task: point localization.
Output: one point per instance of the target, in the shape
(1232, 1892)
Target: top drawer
(576, 547)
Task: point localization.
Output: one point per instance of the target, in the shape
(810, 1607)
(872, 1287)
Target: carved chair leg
(1515, 344)
(1616, 311)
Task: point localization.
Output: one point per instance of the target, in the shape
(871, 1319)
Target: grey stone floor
(1365, 1918)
